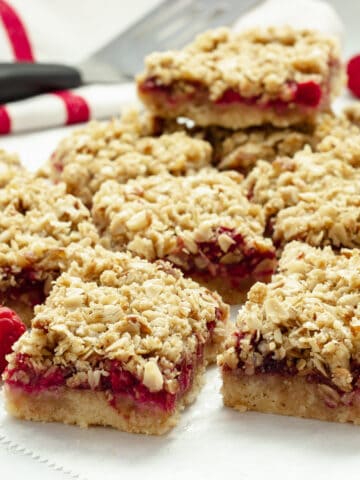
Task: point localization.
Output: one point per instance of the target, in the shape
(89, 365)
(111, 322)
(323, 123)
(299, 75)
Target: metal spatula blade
(170, 25)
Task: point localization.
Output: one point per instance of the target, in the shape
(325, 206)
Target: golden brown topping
(149, 216)
(37, 222)
(122, 149)
(114, 307)
(336, 134)
(314, 198)
(259, 62)
(10, 166)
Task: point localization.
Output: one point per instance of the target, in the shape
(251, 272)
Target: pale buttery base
(85, 408)
(285, 396)
(233, 116)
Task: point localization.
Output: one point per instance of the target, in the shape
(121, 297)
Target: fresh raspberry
(11, 328)
(308, 94)
(353, 72)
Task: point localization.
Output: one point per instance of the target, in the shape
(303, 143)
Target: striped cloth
(23, 27)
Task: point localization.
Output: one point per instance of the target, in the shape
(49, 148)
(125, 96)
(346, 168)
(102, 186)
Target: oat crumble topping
(313, 197)
(241, 149)
(122, 149)
(10, 166)
(308, 315)
(336, 134)
(112, 306)
(37, 222)
(258, 62)
(148, 216)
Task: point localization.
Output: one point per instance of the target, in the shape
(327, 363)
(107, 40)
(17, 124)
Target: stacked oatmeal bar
(279, 76)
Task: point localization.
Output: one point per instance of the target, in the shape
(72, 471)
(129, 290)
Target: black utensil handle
(22, 80)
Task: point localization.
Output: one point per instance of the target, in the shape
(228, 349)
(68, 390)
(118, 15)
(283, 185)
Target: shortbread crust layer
(292, 396)
(312, 197)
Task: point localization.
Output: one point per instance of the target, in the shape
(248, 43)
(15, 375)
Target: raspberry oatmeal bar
(313, 197)
(278, 75)
(296, 346)
(122, 149)
(37, 222)
(201, 223)
(120, 341)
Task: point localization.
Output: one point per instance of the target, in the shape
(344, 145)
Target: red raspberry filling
(307, 94)
(353, 72)
(119, 382)
(210, 254)
(151, 85)
(124, 383)
(11, 329)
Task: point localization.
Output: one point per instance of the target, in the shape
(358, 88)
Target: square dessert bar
(10, 166)
(277, 75)
(313, 197)
(120, 341)
(201, 223)
(121, 149)
(37, 222)
(296, 346)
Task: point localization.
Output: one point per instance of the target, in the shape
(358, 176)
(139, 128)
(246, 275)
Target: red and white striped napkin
(67, 32)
